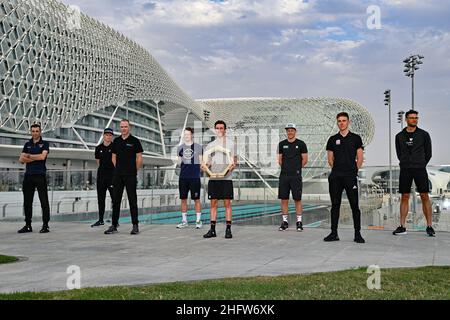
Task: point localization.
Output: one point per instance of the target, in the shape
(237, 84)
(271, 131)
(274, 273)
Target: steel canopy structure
(55, 70)
(315, 119)
(75, 75)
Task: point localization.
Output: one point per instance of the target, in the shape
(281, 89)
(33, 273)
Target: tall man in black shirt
(127, 159)
(292, 157)
(105, 171)
(413, 146)
(345, 157)
(34, 154)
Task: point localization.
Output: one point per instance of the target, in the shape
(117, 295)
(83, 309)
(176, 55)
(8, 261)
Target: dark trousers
(120, 183)
(30, 184)
(337, 184)
(104, 183)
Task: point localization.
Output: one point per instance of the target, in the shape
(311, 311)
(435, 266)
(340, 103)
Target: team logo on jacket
(338, 142)
(410, 142)
(188, 154)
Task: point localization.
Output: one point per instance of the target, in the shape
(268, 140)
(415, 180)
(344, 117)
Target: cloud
(210, 13)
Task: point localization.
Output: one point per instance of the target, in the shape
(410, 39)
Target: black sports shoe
(399, 231)
(284, 226)
(111, 230)
(299, 226)
(135, 229)
(210, 234)
(44, 229)
(331, 237)
(358, 238)
(430, 231)
(228, 234)
(25, 229)
(97, 224)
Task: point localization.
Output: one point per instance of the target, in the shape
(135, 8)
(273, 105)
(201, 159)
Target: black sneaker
(331, 237)
(228, 234)
(210, 234)
(299, 226)
(430, 231)
(135, 229)
(97, 224)
(284, 226)
(25, 229)
(399, 231)
(111, 230)
(44, 229)
(358, 238)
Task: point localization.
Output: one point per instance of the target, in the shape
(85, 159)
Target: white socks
(184, 217)
(199, 215)
(285, 217)
(299, 218)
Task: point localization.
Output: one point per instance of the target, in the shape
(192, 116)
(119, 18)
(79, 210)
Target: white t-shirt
(219, 160)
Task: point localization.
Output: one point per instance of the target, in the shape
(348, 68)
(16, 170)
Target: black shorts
(220, 189)
(192, 185)
(420, 177)
(290, 183)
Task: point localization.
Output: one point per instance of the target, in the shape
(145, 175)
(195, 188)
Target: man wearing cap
(292, 157)
(105, 171)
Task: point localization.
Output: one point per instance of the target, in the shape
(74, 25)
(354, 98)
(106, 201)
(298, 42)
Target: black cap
(108, 130)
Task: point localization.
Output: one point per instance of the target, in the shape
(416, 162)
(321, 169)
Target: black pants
(120, 183)
(30, 184)
(337, 184)
(104, 183)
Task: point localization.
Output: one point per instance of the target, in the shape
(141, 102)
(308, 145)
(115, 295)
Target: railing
(72, 196)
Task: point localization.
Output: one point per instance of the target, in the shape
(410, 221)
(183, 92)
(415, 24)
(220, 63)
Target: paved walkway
(161, 253)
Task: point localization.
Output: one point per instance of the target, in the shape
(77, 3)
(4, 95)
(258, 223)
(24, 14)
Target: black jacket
(414, 152)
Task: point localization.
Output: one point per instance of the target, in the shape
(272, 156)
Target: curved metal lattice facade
(59, 74)
(315, 118)
(55, 73)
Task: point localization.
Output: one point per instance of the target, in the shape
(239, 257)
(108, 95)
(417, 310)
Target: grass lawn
(402, 283)
(7, 259)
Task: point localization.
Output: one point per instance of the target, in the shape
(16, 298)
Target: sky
(300, 49)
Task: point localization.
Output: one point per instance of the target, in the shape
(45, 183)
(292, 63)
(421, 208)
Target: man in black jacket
(105, 173)
(413, 146)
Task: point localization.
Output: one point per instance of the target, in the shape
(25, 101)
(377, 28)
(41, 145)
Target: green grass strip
(7, 259)
(399, 283)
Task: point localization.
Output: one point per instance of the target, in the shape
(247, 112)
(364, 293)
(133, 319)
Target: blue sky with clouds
(294, 48)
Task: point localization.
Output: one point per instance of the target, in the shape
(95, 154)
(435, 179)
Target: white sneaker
(182, 225)
(198, 225)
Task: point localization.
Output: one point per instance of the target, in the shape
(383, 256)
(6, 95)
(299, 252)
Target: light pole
(387, 102)
(411, 65)
(400, 118)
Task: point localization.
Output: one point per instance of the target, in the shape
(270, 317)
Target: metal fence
(73, 197)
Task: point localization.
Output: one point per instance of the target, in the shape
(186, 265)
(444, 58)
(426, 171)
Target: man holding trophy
(219, 160)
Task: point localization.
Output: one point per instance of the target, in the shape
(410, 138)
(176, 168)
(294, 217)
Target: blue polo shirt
(190, 164)
(36, 167)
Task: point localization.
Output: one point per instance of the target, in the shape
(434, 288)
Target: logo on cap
(291, 126)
